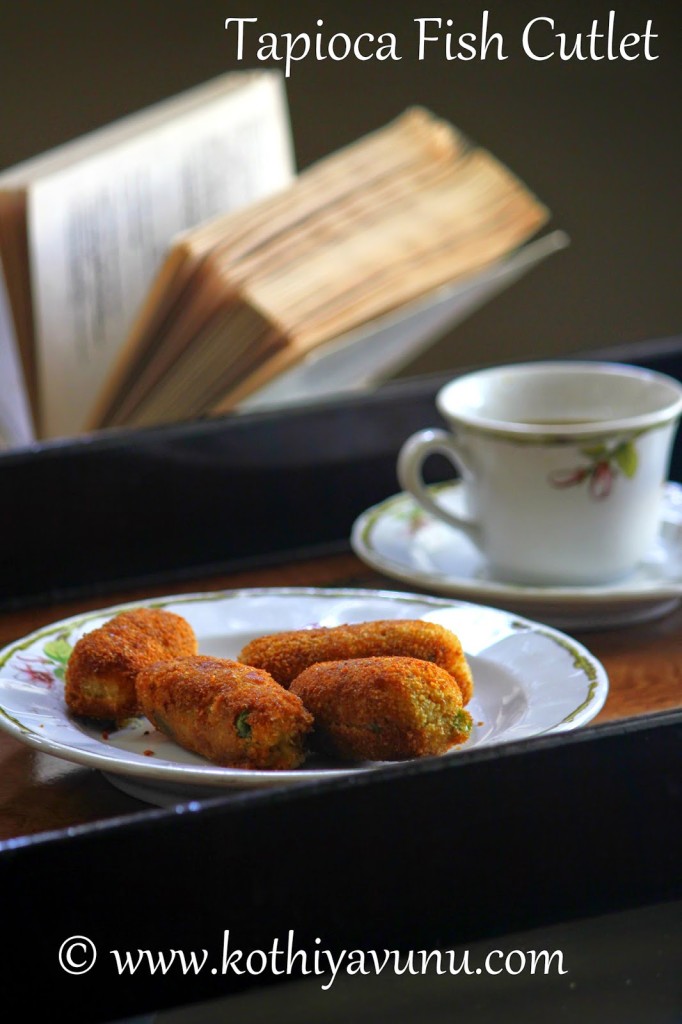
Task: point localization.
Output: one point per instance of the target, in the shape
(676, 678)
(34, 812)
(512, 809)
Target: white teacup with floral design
(563, 465)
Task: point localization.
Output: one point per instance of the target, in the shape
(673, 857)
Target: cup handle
(410, 461)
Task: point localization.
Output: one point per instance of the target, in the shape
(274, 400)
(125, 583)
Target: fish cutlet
(100, 675)
(285, 655)
(383, 709)
(173, 633)
(231, 714)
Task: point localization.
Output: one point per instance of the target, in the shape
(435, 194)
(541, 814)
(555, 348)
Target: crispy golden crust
(383, 709)
(173, 633)
(230, 713)
(103, 666)
(286, 655)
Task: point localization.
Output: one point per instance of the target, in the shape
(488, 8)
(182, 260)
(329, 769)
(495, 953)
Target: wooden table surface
(41, 793)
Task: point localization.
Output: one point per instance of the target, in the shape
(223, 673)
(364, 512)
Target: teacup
(563, 465)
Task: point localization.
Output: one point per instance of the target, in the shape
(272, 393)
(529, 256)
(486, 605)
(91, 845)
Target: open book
(84, 228)
(323, 283)
(374, 227)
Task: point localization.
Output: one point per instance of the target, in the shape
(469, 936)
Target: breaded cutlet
(285, 655)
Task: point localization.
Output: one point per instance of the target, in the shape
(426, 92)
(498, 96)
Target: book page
(370, 354)
(127, 127)
(98, 230)
(16, 427)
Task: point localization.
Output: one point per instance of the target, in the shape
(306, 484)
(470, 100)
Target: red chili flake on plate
(148, 753)
(105, 735)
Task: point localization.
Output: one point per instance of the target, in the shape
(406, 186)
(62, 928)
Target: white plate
(529, 680)
(401, 540)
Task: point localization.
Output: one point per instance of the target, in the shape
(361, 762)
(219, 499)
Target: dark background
(599, 142)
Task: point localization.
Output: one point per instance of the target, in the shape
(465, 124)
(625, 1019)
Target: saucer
(398, 538)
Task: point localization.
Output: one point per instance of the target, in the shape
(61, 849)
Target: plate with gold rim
(529, 680)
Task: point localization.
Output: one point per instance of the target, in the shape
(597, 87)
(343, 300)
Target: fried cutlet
(103, 666)
(383, 709)
(232, 714)
(285, 655)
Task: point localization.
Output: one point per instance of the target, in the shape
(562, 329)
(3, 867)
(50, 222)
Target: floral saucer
(400, 540)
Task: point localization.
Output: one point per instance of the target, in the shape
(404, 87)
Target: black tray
(131, 507)
(420, 856)
(425, 855)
